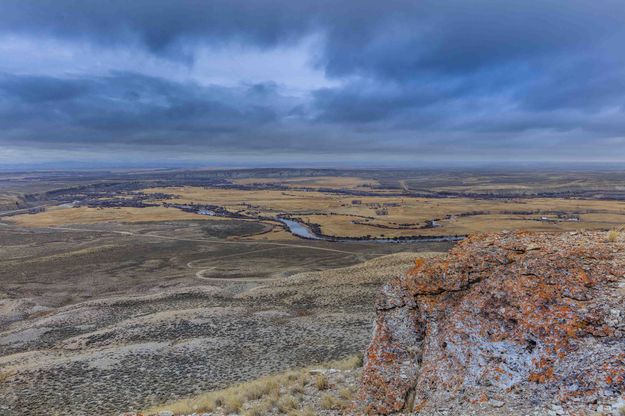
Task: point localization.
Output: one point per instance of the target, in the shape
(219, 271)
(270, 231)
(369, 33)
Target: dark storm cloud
(135, 110)
(129, 107)
(405, 76)
(160, 25)
(459, 37)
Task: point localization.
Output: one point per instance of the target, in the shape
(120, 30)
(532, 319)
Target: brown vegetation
(85, 215)
(407, 216)
(272, 394)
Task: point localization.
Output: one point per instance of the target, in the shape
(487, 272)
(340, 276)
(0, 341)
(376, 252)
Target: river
(299, 229)
(302, 230)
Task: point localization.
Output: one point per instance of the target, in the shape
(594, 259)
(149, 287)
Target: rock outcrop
(510, 323)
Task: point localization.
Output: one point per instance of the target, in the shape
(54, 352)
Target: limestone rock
(512, 322)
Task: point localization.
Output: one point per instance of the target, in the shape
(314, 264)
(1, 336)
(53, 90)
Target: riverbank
(302, 230)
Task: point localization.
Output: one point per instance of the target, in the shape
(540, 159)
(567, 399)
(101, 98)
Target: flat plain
(341, 215)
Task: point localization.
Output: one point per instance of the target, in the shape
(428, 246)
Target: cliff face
(504, 324)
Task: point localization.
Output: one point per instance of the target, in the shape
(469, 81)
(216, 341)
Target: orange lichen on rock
(418, 263)
(512, 315)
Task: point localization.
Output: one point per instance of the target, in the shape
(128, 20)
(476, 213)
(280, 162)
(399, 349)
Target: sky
(355, 82)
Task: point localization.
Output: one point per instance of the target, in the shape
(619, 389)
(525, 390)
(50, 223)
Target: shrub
(297, 389)
(614, 234)
(327, 402)
(219, 401)
(254, 411)
(297, 385)
(259, 409)
(307, 411)
(233, 404)
(207, 406)
(252, 391)
(349, 363)
(259, 388)
(321, 382)
(266, 388)
(287, 403)
(346, 393)
(292, 376)
(304, 375)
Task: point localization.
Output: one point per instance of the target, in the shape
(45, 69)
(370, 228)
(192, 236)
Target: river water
(302, 230)
(299, 229)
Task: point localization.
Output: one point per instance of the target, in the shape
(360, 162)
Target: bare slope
(130, 352)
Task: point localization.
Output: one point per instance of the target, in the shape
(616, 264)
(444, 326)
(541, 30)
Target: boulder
(508, 323)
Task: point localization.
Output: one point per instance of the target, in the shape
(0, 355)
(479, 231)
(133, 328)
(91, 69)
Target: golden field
(338, 215)
(59, 216)
(345, 215)
(63, 216)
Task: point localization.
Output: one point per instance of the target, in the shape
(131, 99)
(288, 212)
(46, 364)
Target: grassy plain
(348, 182)
(58, 216)
(338, 215)
(64, 216)
(515, 182)
(345, 215)
(380, 204)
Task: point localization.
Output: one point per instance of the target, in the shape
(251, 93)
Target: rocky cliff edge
(510, 323)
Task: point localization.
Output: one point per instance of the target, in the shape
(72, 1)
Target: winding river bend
(304, 231)
(299, 229)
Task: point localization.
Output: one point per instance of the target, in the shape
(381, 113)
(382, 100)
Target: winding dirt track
(201, 240)
(200, 273)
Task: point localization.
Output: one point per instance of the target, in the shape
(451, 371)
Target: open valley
(312, 208)
(122, 294)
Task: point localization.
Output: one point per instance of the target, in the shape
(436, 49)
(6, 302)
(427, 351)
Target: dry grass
(321, 382)
(346, 393)
(614, 234)
(355, 361)
(257, 410)
(85, 215)
(306, 411)
(64, 255)
(230, 399)
(287, 403)
(257, 389)
(297, 387)
(232, 404)
(282, 391)
(329, 402)
(347, 218)
(357, 220)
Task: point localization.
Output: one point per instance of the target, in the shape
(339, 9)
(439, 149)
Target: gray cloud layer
(434, 79)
